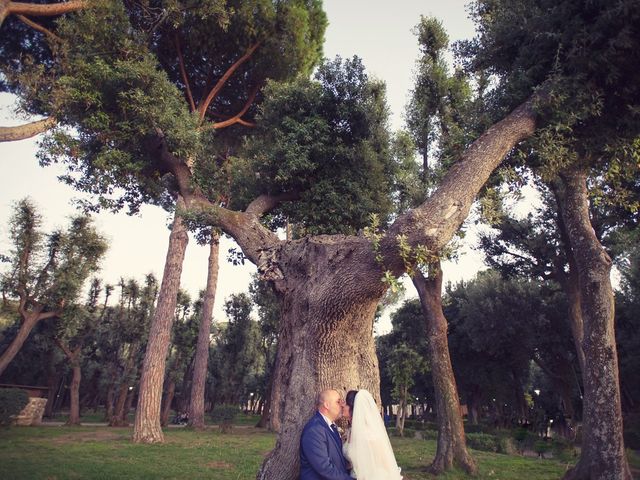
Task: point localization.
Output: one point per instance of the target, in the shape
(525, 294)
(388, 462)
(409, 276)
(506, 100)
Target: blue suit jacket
(321, 453)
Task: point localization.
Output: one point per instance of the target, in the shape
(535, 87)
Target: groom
(320, 445)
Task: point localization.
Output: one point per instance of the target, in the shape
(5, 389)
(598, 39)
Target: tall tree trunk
(128, 403)
(53, 378)
(120, 411)
(73, 356)
(602, 455)
(147, 422)
(266, 406)
(74, 393)
(199, 382)
(452, 446)
(570, 281)
(110, 400)
(118, 418)
(168, 400)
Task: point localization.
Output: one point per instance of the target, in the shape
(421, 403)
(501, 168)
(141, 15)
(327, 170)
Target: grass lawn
(56, 453)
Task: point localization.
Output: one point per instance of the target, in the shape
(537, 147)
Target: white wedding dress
(368, 447)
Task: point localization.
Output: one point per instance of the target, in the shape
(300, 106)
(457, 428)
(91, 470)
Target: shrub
(483, 442)
(541, 447)
(12, 401)
(564, 450)
(224, 415)
(491, 443)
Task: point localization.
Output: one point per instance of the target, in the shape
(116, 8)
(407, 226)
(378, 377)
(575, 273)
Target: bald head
(329, 403)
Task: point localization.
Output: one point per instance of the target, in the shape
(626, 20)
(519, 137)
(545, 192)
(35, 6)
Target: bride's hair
(350, 399)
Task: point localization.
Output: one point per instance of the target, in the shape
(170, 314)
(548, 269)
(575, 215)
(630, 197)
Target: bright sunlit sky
(380, 32)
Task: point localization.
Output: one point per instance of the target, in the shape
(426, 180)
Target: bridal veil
(370, 450)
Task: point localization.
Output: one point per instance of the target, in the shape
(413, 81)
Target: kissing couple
(366, 454)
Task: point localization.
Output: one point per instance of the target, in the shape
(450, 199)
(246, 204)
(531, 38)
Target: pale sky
(380, 32)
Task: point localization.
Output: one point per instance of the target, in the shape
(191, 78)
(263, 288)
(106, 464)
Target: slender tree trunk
(570, 281)
(128, 403)
(147, 422)
(119, 416)
(602, 455)
(74, 393)
(198, 384)
(120, 411)
(168, 400)
(73, 356)
(266, 406)
(53, 378)
(111, 393)
(452, 447)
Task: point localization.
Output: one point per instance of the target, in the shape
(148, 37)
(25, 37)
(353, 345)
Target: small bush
(541, 447)
(12, 401)
(224, 415)
(430, 434)
(483, 442)
(479, 428)
(491, 443)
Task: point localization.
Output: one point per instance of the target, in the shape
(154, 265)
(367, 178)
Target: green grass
(57, 453)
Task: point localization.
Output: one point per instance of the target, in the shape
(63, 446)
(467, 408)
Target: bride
(367, 446)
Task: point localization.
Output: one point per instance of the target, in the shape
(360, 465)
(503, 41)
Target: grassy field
(56, 453)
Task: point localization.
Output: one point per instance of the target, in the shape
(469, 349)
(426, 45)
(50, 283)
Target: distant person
(368, 447)
(321, 455)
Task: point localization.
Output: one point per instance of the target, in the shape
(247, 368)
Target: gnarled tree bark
(602, 455)
(330, 285)
(452, 446)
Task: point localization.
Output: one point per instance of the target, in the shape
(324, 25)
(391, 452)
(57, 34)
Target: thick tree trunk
(331, 285)
(74, 394)
(326, 340)
(147, 422)
(198, 384)
(452, 446)
(602, 455)
(168, 400)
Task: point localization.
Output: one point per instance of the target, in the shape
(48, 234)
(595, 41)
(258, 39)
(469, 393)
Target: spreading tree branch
(265, 203)
(39, 10)
(39, 28)
(202, 109)
(183, 72)
(236, 118)
(28, 130)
